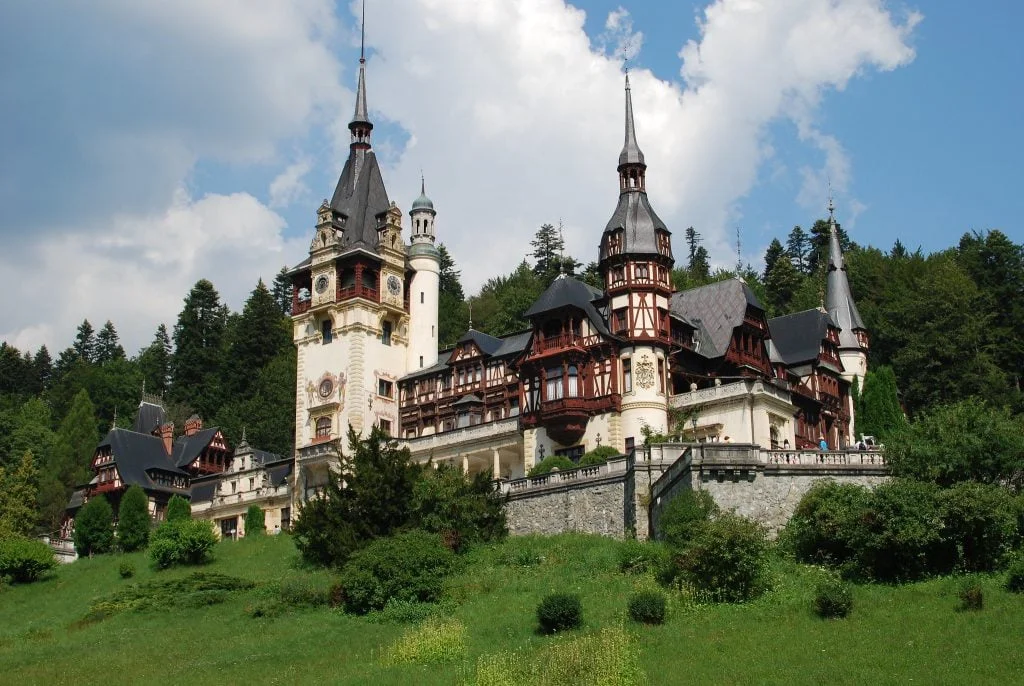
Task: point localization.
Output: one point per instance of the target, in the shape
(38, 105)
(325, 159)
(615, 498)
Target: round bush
(979, 526)
(971, 597)
(558, 612)
(545, 466)
(410, 566)
(178, 509)
(833, 598)
(683, 516)
(727, 560)
(24, 560)
(182, 541)
(822, 526)
(126, 570)
(647, 607)
(1015, 576)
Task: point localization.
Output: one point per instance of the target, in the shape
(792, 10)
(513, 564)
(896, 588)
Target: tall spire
(631, 153)
(360, 126)
(838, 296)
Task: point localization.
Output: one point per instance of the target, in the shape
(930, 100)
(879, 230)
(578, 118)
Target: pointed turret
(631, 153)
(838, 297)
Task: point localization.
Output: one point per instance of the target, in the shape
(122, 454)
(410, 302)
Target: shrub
(409, 566)
(133, 520)
(24, 560)
(126, 570)
(463, 510)
(979, 525)
(436, 641)
(1015, 576)
(545, 466)
(683, 516)
(406, 612)
(182, 542)
(255, 521)
(821, 528)
(306, 590)
(833, 598)
(94, 528)
(598, 455)
(899, 536)
(558, 612)
(647, 607)
(971, 597)
(727, 560)
(639, 557)
(178, 509)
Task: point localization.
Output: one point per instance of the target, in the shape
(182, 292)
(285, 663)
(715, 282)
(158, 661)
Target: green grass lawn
(908, 634)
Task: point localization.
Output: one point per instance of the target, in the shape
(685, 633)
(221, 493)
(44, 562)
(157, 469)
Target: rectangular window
(326, 331)
(286, 518)
(252, 483)
(385, 426)
(513, 407)
(627, 375)
(385, 333)
(630, 444)
(421, 297)
(431, 331)
(410, 433)
(553, 379)
(661, 376)
(574, 453)
(421, 361)
(385, 388)
(619, 320)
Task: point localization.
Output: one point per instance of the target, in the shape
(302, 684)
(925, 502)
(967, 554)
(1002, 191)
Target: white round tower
(424, 289)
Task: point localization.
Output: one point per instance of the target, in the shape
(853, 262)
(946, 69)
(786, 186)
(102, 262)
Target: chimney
(193, 425)
(167, 435)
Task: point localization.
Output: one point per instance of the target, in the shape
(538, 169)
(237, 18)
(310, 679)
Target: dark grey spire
(631, 153)
(838, 297)
(360, 116)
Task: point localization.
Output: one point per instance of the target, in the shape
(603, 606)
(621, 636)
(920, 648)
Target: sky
(145, 145)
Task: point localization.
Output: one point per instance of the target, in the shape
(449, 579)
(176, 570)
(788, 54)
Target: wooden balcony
(561, 342)
(364, 292)
(107, 486)
(301, 306)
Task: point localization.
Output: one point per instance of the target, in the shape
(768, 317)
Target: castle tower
(853, 336)
(636, 263)
(350, 312)
(424, 289)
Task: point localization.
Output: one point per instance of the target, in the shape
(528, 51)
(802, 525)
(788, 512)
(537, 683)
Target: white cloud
(137, 273)
(289, 186)
(619, 38)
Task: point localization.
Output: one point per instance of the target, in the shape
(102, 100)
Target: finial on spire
(561, 249)
(243, 433)
(362, 35)
(831, 205)
(423, 183)
(470, 303)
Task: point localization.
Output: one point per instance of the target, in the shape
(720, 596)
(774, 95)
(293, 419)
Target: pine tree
(85, 342)
(700, 267)
(899, 251)
(94, 528)
(881, 415)
(259, 334)
(282, 291)
(108, 344)
(77, 439)
(155, 362)
(30, 432)
(133, 520)
(819, 242)
(774, 252)
(18, 493)
(449, 276)
(452, 313)
(857, 405)
(199, 348)
(255, 521)
(781, 284)
(548, 248)
(693, 241)
(797, 247)
(42, 368)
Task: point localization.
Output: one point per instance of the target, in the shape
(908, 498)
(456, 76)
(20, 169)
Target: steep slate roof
(360, 197)
(149, 418)
(468, 399)
(839, 298)
(513, 344)
(187, 448)
(565, 291)
(715, 309)
(135, 453)
(797, 337)
(279, 473)
(488, 344)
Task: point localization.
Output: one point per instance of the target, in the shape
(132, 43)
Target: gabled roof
(360, 197)
(797, 337)
(716, 310)
(134, 454)
(565, 291)
(468, 399)
(513, 344)
(188, 448)
(487, 344)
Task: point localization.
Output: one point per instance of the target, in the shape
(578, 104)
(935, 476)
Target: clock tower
(350, 313)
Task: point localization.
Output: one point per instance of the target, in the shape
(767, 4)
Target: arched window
(323, 427)
(574, 387)
(553, 377)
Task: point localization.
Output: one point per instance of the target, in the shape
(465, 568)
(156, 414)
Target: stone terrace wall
(595, 507)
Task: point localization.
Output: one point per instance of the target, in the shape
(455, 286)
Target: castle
(597, 367)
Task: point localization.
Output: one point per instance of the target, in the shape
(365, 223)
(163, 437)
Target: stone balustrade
(485, 432)
(614, 467)
(729, 390)
(830, 457)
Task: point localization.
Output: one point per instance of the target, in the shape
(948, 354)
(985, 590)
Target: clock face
(394, 285)
(326, 388)
(322, 282)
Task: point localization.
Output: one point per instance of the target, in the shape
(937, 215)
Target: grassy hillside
(912, 633)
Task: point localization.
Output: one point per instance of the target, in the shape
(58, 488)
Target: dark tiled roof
(279, 473)
(565, 291)
(202, 492)
(839, 298)
(513, 344)
(149, 418)
(360, 197)
(188, 448)
(135, 454)
(468, 399)
(488, 344)
(263, 457)
(716, 310)
(637, 218)
(797, 337)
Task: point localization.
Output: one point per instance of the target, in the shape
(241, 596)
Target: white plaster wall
(643, 406)
(423, 316)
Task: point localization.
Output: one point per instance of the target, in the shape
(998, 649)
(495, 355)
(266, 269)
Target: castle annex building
(597, 367)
